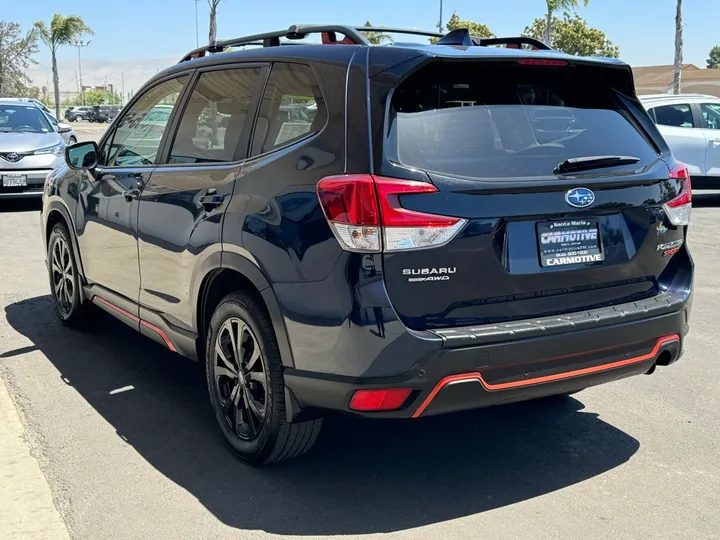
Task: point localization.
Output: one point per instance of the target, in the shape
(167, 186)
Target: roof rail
(271, 39)
(353, 35)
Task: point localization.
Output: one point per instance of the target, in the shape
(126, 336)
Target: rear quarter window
(481, 119)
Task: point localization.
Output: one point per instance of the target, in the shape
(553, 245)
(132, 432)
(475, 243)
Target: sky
(135, 38)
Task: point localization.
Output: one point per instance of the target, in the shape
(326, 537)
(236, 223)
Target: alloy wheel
(63, 281)
(240, 379)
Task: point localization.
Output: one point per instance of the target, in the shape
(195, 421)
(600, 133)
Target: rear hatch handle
(588, 163)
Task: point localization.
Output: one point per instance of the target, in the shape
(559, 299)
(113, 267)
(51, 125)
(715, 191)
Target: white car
(30, 148)
(39, 104)
(690, 123)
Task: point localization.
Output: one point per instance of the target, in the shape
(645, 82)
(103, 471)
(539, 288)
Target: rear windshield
(499, 120)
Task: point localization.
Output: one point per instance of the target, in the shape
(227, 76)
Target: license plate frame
(14, 180)
(569, 242)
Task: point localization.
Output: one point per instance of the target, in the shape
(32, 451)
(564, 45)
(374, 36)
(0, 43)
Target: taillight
(362, 209)
(678, 209)
(379, 400)
(542, 62)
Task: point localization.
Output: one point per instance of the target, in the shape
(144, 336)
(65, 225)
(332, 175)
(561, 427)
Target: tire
(65, 280)
(107, 120)
(264, 436)
(72, 140)
(79, 118)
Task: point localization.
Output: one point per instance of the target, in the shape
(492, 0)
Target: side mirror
(82, 156)
(63, 128)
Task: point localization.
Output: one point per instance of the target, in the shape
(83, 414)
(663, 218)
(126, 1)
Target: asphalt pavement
(123, 432)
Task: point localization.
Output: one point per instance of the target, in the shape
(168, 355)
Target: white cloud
(94, 70)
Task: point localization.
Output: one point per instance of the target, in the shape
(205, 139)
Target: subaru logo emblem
(580, 197)
(13, 157)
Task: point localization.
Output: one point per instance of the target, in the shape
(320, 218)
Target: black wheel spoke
(224, 361)
(253, 419)
(226, 406)
(222, 371)
(240, 378)
(62, 275)
(253, 357)
(253, 405)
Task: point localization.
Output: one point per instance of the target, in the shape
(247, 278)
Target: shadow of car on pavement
(32, 204)
(705, 199)
(361, 477)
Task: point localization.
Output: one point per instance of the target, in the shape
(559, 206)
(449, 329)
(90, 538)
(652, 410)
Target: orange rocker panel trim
(477, 376)
(158, 331)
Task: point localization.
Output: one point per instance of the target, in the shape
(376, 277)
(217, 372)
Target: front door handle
(211, 202)
(715, 142)
(131, 194)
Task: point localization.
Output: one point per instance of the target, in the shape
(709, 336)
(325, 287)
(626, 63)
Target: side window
(137, 137)
(215, 115)
(711, 114)
(292, 107)
(679, 115)
(651, 112)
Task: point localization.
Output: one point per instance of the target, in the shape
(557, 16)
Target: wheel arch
(57, 212)
(234, 272)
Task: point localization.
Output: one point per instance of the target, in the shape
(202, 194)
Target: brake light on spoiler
(678, 210)
(365, 214)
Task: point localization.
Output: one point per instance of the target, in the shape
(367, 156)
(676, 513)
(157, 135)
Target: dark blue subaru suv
(389, 231)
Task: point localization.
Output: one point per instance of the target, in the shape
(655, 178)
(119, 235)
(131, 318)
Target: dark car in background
(77, 114)
(393, 231)
(103, 113)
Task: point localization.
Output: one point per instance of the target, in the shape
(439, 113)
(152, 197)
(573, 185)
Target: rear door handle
(715, 142)
(210, 202)
(131, 194)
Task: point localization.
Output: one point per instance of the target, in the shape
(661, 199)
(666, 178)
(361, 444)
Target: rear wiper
(588, 163)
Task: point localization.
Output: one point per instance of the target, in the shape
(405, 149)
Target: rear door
(711, 117)
(683, 133)
(541, 237)
(181, 208)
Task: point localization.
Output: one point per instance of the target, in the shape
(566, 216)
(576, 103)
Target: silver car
(65, 130)
(690, 124)
(30, 148)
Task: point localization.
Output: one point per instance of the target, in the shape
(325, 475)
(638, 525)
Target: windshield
(499, 120)
(23, 119)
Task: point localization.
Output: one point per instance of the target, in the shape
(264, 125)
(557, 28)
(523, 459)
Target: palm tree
(62, 31)
(376, 38)
(212, 34)
(677, 71)
(552, 7)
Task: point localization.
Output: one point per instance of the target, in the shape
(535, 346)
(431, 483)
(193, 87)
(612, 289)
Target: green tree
(61, 31)
(714, 59)
(554, 6)
(476, 29)
(677, 68)
(16, 53)
(573, 36)
(376, 38)
(96, 97)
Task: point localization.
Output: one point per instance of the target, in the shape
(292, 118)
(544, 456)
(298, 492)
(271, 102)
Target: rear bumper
(454, 378)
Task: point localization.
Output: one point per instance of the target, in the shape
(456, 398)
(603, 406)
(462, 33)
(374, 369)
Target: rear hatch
(558, 188)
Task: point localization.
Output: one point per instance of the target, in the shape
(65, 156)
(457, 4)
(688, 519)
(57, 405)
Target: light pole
(440, 20)
(197, 39)
(79, 44)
